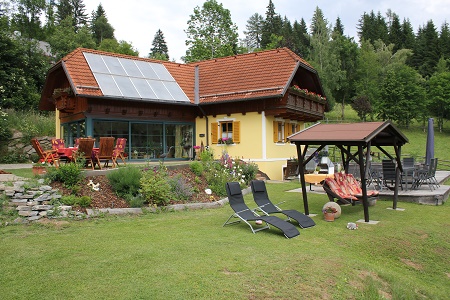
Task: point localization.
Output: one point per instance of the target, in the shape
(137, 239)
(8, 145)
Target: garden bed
(107, 198)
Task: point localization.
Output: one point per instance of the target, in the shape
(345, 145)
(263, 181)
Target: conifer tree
(159, 49)
(254, 31)
(272, 26)
(302, 42)
(426, 52)
(395, 33)
(100, 26)
(444, 41)
(408, 36)
(79, 14)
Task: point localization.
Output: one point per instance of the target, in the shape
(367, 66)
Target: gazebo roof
(350, 134)
(363, 135)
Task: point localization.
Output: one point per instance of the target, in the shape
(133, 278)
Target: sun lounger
(261, 198)
(246, 215)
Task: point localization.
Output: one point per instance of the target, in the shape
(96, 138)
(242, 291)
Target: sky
(137, 21)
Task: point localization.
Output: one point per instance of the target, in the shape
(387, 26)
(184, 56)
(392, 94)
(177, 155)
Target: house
(245, 104)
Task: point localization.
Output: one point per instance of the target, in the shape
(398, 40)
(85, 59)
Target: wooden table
(316, 178)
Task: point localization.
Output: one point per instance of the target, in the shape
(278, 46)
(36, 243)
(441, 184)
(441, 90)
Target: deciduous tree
(210, 33)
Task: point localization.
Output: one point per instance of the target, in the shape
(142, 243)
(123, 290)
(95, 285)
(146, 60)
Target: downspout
(197, 100)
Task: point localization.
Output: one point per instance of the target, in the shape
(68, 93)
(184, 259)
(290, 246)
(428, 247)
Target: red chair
(47, 156)
(119, 151)
(58, 144)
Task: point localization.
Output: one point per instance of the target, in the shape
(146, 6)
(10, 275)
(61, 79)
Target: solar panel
(131, 79)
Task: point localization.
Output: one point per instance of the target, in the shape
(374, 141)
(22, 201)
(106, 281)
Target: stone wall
(34, 203)
(16, 144)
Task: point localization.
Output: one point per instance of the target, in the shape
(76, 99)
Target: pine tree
(408, 36)
(159, 49)
(324, 57)
(338, 27)
(302, 42)
(288, 34)
(272, 25)
(79, 14)
(254, 31)
(100, 26)
(395, 33)
(64, 9)
(444, 41)
(426, 52)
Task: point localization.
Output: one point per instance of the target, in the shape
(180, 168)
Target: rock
(23, 208)
(34, 218)
(42, 207)
(25, 213)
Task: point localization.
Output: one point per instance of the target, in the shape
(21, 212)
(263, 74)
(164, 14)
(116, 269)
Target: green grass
(189, 255)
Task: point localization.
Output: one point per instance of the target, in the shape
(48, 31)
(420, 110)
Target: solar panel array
(134, 79)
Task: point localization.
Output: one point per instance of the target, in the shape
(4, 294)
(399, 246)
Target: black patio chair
(246, 215)
(261, 198)
(428, 175)
(389, 172)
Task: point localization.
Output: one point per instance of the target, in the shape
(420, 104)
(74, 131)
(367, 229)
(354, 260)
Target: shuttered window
(279, 132)
(226, 130)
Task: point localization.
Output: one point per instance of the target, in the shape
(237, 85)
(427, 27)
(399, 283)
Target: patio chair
(389, 172)
(105, 152)
(59, 145)
(119, 151)
(85, 147)
(45, 156)
(244, 214)
(408, 175)
(261, 198)
(428, 175)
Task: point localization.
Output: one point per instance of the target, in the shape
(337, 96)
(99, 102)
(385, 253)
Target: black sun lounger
(241, 211)
(261, 198)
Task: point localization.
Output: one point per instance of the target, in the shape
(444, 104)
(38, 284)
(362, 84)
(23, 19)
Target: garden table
(316, 178)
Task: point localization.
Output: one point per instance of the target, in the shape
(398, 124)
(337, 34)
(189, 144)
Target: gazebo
(362, 136)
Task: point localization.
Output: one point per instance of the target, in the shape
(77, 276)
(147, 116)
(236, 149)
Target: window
(225, 130)
(279, 134)
(281, 130)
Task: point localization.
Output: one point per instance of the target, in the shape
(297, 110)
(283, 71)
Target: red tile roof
(251, 75)
(350, 133)
(239, 77)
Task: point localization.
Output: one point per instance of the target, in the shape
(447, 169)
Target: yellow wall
(256, 142)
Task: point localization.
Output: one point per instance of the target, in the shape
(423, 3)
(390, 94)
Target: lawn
(189, 255)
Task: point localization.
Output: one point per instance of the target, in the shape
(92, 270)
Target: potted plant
(328, 213)
(197, 151)
(317, 170)
(39, 168)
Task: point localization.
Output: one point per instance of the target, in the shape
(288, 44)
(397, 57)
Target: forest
(390, 73)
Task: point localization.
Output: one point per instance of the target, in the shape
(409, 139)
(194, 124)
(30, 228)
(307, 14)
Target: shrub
(135, 201)
(180, 188)
(5, 129)
(155, 187)
(68, 200)
(84, 201)
(125, 181)
(197, 168)
(69, 174)
(72, 200)
(206, 155)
